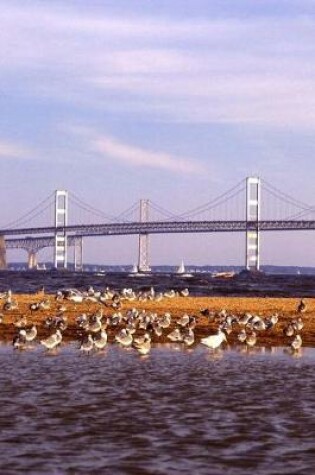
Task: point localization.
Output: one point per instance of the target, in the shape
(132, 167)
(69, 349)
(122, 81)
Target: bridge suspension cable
(297, 208)
(29, 216)
(76, 201)
(134, 208)
(216, 202)
(83, 205)
(284, 196)
(301, 214)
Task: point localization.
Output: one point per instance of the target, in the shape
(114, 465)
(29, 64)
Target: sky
(171, 101)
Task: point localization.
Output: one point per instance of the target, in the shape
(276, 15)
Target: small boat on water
(135, 271)
(182, 271)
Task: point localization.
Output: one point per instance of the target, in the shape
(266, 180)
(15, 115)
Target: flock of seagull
(136, 328)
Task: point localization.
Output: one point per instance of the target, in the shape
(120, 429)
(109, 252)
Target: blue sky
(175, 101)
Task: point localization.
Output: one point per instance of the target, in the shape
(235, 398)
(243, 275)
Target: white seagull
(214, 341)
(52, 341)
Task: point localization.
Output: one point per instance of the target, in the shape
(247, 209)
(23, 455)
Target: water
(200, 284)
(174, 412)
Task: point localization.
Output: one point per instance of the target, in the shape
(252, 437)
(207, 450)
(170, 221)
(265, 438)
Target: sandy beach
(286, 308)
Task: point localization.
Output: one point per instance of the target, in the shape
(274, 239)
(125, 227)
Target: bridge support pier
(3, 256)
(78, 254)
(61, 219)
(32, 259)
(143, 257)
(252, 218)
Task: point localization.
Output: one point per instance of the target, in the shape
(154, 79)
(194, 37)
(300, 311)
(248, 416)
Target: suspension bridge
(251, 206)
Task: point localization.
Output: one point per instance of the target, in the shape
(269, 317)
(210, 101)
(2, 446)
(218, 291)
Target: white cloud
(253, 70)
(12, 150)
(140, 157)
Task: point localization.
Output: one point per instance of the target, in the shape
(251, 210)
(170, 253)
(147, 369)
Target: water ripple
(174, 412)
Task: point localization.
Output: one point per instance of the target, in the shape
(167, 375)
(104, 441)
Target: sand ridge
(286, 308)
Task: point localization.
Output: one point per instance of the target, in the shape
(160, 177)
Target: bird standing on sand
(214, 341)
(289, 330)
(175, 335)
(301, 308)
(296, 343)
(251, 339)
(144, 346)
(19, 342)
(298, 324)
(242, 335)
(30, 334)
(20, 322)
(124, 338)
(87, 344)
(189, 337)
(52, 341)
(101, 340)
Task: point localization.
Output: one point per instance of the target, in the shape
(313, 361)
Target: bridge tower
(61, 219)
(78, 253)
(252, 217)
(3, 259)
(143, 258)
(32, 259)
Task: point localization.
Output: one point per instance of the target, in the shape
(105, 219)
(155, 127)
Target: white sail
(134, 269)
(181, 268)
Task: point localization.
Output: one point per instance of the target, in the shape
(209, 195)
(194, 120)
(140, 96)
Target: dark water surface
(199, 284)
(174, 412)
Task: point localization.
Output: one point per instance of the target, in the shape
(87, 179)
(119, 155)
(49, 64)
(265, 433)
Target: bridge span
(61, 234)
(160, 227)
(75, 233)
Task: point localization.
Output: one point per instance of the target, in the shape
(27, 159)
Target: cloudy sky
(174, 101)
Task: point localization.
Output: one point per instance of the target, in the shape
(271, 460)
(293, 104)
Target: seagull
(214, 341)
(144, 346)
(298, 324)
(259, 325)
(251, 339)
(87, 344)
(34, 307)
(44, 304)
(19, 342)
(296, 343)
(96, 325)
(189, 337)
(165, 321)
(101, 341)
(52, 341)
(244, 319)
(124, 338)
(301, 308)
(20, 322)
(271, 321)
(158, 330)
(175, 335)
(242, 336)
(184, 320)
(205, 312)
(184, 293)
(170, 294)
(10, 305)
(30, 334)
(289, 330)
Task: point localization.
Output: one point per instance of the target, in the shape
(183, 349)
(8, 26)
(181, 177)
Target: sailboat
(182, 271)
(134, 269)
(181, 268)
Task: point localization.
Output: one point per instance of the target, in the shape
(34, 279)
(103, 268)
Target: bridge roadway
(156, 227)
(34, 243)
